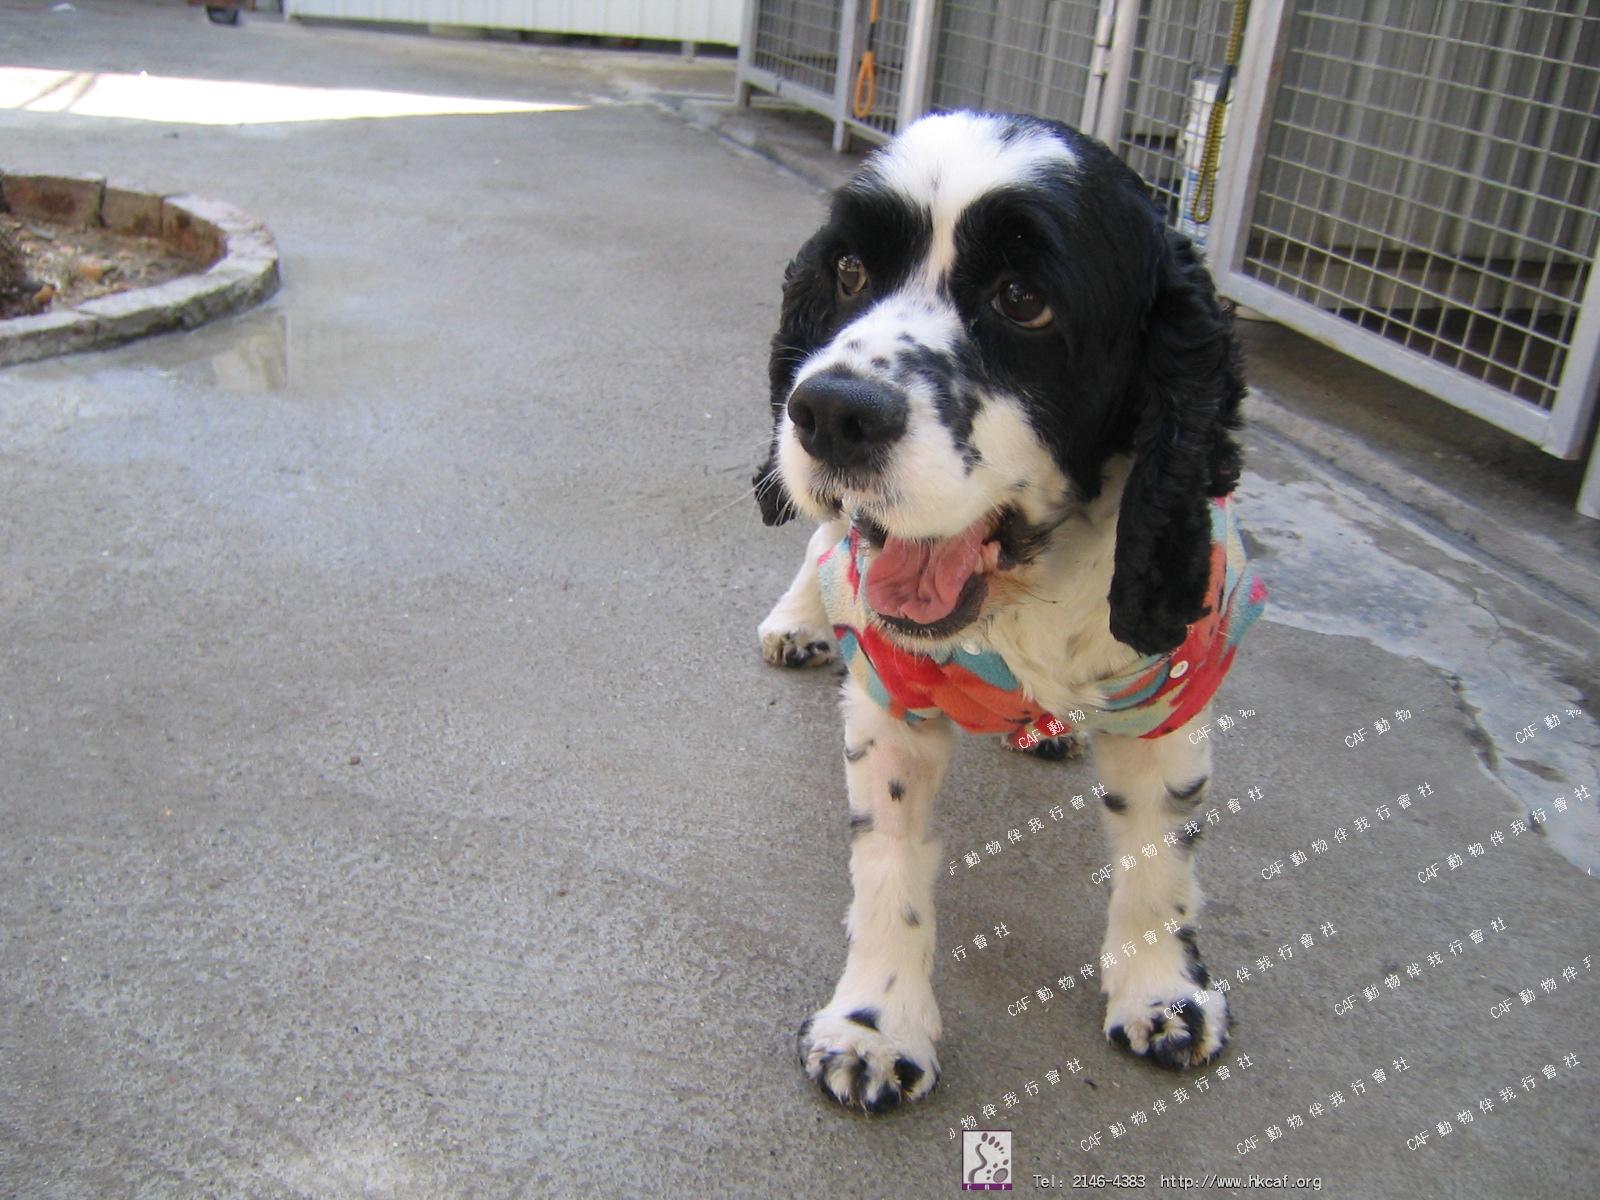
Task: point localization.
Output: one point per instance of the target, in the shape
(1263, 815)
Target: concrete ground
(394, 803)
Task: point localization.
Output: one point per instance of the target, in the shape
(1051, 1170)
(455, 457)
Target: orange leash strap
(866, 93)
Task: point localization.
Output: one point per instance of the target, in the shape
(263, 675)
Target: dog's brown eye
(852, 274)
(1016, 301)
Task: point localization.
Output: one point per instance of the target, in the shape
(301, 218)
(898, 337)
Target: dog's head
(994, 310)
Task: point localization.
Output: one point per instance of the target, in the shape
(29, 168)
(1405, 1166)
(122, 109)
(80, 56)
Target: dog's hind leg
(1158, 1002)
(872, 1046)
(796, 632)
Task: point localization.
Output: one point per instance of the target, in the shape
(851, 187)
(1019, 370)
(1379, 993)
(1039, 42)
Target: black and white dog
(1005, 391)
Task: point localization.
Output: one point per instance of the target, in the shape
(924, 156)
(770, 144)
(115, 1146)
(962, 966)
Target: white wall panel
(670, 20)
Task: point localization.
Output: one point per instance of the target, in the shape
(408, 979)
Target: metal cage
(1425, 194)
(791, 47)
(811, 52)
(1177, 55)
(1036, 57)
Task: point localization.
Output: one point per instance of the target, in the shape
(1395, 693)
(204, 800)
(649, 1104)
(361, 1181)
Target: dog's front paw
(870, 1058)
(785, 644)
(1152, 1010)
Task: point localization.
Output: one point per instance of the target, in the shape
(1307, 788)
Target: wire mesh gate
(1033, 56)
(814, 52)
(1415, 182)
(1418, 184)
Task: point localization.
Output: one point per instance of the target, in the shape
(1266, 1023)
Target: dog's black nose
(842, 421)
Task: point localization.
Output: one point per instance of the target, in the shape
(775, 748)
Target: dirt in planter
(43, 267)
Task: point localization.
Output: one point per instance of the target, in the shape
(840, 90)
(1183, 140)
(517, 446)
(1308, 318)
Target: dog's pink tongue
(922, 580)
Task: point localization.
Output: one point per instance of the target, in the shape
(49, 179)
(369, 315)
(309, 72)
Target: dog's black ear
(1186, 392)
(805, 324)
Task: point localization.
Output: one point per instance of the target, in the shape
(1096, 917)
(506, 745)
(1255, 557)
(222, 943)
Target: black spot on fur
(948, 380)
(858, 1076)
(1114, 802)
(897, 790)
(1194, 1018)
(865, 1016)
(1017, 130)
(1172, 1049)
(888, 984)
(907, 1072)
(1183, 910)
(1021, 541)
(912, 919)
(1193, 967)
(1119, 1037)
(886, 1099)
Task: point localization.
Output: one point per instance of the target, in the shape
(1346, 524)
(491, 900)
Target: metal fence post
(1589, 496)
(844, 83)
(1099, 65)
(1244, 147)
(1119, 69)
(743, 90)
(917, 78)
(1573, 414)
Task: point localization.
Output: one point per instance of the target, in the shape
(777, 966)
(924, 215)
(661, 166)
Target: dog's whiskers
(1033, 595)
(754, 490)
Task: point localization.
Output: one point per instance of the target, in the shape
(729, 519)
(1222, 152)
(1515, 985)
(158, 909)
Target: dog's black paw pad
(1066, 748)
(885, 1099)
(907, 1073)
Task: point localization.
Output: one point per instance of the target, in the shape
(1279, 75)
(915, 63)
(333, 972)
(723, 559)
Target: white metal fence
(1034, 56)
(793, 48)
(1416, 182)
(1428, 193)
(1178, 44)
(816, 52)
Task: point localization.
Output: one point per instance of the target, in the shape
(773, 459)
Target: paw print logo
(986, 1160)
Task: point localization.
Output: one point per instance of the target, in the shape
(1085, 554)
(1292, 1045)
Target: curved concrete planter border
(235, 257)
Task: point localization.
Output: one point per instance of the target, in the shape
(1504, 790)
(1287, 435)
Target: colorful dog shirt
(977, 690)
